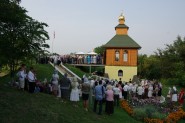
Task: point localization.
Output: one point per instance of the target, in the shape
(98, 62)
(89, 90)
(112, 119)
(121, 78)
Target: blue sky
(82, 25)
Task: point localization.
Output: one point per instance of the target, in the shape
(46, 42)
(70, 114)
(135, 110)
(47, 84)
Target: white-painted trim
(56, 68)
(70, 72)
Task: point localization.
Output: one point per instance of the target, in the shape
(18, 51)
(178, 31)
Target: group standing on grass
(27, 80)
(101, 91)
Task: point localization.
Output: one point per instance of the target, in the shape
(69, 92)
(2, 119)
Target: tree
(172, 60)
(21, 37)
(100, 50)
(141, 63)
(167, 64)
(149, 67)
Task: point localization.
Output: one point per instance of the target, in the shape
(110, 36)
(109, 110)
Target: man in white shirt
(31, 80)
(116, 91)
(125, 88)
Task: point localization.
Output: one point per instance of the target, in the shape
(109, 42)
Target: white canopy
(80, 53)
(92, 53)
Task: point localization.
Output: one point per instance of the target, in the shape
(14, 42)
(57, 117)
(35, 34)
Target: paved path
(62, 69)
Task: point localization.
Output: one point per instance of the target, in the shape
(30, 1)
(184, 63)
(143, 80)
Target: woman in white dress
(174, 94)
(120, 93)
(140, 91)
(150, 91)
(91, 80)
(74, 96)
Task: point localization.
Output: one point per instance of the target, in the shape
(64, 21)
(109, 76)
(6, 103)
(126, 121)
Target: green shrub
(158, 115)
(148, 111)
(139, 113)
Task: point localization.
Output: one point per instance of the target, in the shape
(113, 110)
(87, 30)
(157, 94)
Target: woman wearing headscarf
(65, 85)
(55, 78)
(109, 107)
(150, 91)
(91, 81)
(174, 94)
(85, 93)
(74, 96)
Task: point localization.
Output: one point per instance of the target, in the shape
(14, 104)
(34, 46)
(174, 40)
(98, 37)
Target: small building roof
(91, 53)
(80, 53)
(122, 41)
(122, 26)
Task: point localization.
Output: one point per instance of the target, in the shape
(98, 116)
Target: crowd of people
(97, 90)
(77, 59)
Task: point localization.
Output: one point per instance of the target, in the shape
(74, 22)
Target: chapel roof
(122, 41)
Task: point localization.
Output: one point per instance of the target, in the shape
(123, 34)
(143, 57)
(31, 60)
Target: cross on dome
(121, 17)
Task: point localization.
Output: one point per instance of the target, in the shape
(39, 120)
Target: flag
(54, 35)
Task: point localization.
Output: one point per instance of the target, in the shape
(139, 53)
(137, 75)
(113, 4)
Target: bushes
(151, 114)
(148, 111)
(139, 113)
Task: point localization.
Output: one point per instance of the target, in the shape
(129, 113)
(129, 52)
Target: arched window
(120, 73)
(116, 55)
(125, 56)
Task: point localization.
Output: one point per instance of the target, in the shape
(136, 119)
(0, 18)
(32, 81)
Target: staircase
(62, 69)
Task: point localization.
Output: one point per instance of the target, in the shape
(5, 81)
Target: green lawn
(22, 107)
(76, 70)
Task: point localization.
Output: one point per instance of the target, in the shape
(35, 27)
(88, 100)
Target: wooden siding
(131, 59)
(121, 31)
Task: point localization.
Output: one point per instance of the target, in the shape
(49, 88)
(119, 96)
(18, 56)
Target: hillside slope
(22, 107)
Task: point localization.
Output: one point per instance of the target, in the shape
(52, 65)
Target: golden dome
(121, 17)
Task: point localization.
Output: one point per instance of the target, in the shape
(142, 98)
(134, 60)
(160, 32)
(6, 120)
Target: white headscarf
(86, 79)
(174, 88)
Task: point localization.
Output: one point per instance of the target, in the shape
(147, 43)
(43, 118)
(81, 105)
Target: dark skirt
(125, 95)
(32, 87)
(85, 96)
(159, 92)
(109, 107)
(145, 93)
(65, 93)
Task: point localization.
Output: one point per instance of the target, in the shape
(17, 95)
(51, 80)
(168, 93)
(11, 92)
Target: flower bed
(126, 107)
(175, 116)
(172, 117)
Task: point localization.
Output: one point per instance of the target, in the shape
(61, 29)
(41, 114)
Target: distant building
(121, 54)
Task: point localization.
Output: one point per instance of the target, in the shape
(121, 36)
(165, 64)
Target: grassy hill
(22, 107)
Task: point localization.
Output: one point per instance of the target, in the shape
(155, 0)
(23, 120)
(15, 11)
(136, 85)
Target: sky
(82, 25)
